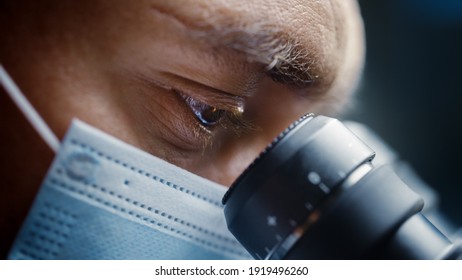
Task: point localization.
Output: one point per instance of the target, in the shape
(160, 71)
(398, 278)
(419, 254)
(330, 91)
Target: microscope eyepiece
(314, 194)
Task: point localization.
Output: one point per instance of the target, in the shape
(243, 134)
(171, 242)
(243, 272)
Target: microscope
(319, 192)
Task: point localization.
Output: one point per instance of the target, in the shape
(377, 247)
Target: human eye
(219, 114)
(207, 115)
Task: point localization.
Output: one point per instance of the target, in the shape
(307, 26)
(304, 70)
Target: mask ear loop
(28, 110)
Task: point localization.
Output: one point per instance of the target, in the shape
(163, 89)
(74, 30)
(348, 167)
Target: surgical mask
(105, 199)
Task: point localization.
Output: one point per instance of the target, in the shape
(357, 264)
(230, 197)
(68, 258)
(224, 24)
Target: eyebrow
(285, 59)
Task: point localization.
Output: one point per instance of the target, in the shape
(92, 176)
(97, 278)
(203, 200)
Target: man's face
(205, 85)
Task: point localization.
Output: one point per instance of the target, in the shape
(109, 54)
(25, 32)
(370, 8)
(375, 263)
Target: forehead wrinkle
(205, 49)
(285, 59)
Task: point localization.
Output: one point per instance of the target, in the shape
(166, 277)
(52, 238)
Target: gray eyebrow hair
(286, 61)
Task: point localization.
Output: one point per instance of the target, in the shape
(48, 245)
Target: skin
(123, 67)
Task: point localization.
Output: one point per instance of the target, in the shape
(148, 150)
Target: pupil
(209, 116)
(206, 114)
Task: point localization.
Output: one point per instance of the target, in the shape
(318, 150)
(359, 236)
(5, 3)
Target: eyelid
(216, 102)
(203, 93)
(233, 105)
(229, 119)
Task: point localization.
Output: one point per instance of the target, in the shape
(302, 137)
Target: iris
(206, 114)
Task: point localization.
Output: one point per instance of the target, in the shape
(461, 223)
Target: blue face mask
(105, 199)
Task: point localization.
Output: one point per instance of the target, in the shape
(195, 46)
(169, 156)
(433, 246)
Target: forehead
(293, 17)
(299, 40)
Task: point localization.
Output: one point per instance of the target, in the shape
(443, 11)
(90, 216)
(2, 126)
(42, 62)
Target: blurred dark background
(411, 93)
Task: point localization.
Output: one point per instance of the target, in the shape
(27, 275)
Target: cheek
(162, 123)
(226, 162)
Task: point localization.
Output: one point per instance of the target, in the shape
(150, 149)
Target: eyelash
(204, 112)
(227, 119)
